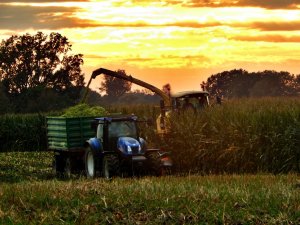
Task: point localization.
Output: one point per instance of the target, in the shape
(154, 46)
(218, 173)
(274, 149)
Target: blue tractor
(118, 150)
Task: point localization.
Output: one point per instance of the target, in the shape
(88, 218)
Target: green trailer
(66, 137)
(68, 134)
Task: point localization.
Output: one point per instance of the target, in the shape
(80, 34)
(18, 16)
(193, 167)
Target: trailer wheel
(110, 166)
(58, 165)
(91, 163)
(68, 168)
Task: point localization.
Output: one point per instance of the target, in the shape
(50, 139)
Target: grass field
(30, 194)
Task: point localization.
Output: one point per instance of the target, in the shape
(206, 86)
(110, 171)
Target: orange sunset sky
(181, 42)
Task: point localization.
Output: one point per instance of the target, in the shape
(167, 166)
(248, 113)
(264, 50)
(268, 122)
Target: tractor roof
(117, 118)
(190, 94)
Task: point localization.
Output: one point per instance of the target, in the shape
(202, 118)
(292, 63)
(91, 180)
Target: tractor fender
(95, 144)
(143, 143)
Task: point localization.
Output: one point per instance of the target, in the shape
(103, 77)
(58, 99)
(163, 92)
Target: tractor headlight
(129, 150)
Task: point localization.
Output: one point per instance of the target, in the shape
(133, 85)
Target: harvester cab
(195, 100)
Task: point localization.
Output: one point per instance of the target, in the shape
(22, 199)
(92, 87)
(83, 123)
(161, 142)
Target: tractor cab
(195, 100)
(119, 134)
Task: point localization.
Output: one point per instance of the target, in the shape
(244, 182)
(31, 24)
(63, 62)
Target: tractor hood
(129, 146)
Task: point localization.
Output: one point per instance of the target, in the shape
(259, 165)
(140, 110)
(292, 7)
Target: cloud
(262, 26)
(269, 4)
(94, 56)
(267, 26)
(22, 17)
(169, 61)
(276, 26)
(18, 17)
(204, 3)
(268, 38)
(189, 24)
(139, 58)
(40, 1)
(194, 24)
(26, 17)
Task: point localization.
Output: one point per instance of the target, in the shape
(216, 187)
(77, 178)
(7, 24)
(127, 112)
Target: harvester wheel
(91, 163)
(110, 166)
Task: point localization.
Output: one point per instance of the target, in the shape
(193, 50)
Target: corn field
(240, 136)
(22, 133)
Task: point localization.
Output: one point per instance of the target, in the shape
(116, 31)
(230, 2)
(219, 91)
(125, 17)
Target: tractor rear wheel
(91, 163)
(110, 166)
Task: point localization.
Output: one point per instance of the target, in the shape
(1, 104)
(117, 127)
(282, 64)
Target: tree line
(239, 83)
(38, 73)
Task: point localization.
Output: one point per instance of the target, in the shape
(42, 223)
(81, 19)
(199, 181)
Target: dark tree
(228, 83)
(240, 83)
(272, 83)
(29, 61)
(4, 101)
(115, 87)
(297, 84)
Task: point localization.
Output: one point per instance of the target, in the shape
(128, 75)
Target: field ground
(30, 194)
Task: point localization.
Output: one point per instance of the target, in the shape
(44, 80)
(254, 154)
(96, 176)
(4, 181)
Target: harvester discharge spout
(163, 95)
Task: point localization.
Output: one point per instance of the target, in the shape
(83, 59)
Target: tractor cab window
(191, 102)
(187, 103)
(202, 102)
(122, 129)
(100, 131)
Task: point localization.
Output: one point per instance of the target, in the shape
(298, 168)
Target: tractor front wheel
(110, 166)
